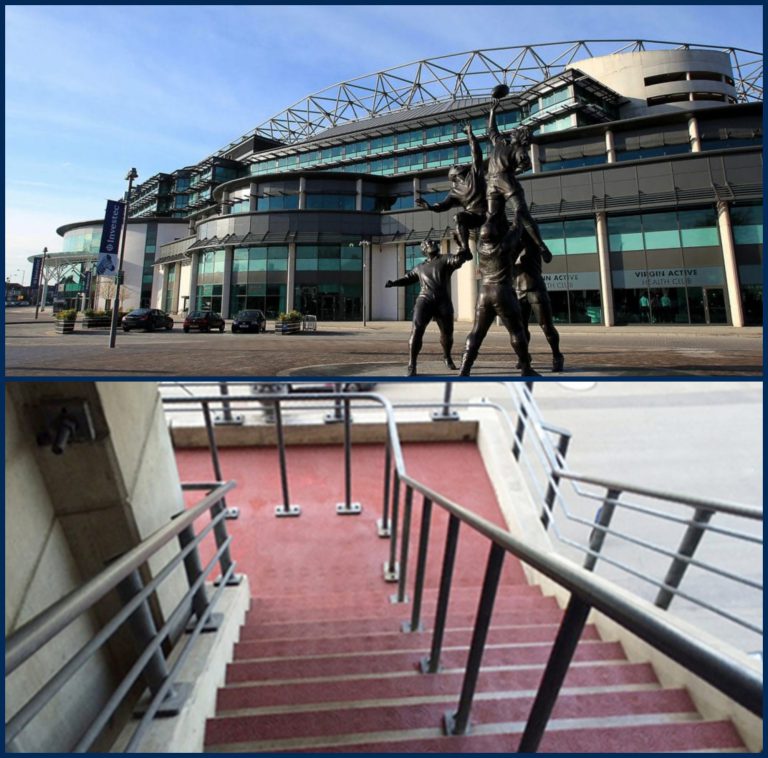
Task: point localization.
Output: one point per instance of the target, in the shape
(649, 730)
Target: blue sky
(93, 90)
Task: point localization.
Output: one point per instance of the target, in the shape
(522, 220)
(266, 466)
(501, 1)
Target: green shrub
(67, 315)
(289, 317)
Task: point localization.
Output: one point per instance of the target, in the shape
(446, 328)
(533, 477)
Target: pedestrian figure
(433, 301)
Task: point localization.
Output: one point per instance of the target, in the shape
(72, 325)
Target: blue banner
(110, 239)
(37, 269)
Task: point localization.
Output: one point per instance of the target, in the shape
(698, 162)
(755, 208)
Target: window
(698, 228)
(625, 233)
(277, 202)
(660, 231)
(747, 223)
(330, 202)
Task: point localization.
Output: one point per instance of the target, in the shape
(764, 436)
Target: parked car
(204, 321)
(148, 319)
(249, 321)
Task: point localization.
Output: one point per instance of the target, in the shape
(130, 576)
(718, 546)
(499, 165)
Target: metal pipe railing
(123, 575)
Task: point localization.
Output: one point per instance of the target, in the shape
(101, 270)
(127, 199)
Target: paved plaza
(380, 349)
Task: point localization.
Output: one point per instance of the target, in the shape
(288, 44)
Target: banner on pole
(37, 270)
(110, 239)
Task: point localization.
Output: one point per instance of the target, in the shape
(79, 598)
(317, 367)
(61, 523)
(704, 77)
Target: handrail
(742, 684)
(552, 468)
(124, 576)
(717, 506)
(49, 622)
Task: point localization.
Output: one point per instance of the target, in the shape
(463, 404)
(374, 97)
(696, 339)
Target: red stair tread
(383, 663)
(346, 627)
(648, 738)
(420, 685)
(395, 641)
(420, 716)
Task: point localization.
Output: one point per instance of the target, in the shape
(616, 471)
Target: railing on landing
(738, 681)
(674, 525)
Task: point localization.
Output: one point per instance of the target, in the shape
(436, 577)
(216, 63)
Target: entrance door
(714, 305)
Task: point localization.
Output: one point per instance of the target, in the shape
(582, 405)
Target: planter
(65, 327)
(288, 327)
(97, 322)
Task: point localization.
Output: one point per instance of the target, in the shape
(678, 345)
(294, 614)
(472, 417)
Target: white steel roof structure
(469, 74)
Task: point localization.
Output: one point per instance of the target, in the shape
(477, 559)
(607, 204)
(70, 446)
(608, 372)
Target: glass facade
(82, 241)
(574, 288)
(210, 281)
(329, 281)
(169, 286)
(413, 256)
(667, 267)
(259, 276)
(150, 247)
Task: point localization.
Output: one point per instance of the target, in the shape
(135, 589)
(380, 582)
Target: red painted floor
(321, 552)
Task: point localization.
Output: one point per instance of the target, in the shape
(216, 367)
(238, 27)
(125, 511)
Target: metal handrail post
(554, 482)
(226, 416)
(336, 417)
(688, 545)
(458, 723)
(286, 509)
(348, 508)
(445, 414)
(391, 568)
(421, 568)
(144, 632)
(194, 569)
(382, 525)
(231, 512)
(405, 543)
(568, 637)
(431, 665)
(602, 519)
(521, 424)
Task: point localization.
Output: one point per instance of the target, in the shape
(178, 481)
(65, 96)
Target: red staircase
(323, 664)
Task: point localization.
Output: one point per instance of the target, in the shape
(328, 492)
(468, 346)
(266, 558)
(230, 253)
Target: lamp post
(40, 285)
(365, 245)
(132, 174)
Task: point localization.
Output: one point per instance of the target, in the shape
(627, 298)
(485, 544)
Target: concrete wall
(40, 568)
(626, 72)
(67, 516)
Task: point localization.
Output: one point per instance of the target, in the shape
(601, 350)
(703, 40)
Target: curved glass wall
(259, 276)
(82, 241)
(329, 281)
(210, 281)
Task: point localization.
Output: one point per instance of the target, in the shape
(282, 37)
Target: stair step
(380, 606)
(611, 735)
(300, 667)
(397, 640)
(546, 612)
(383, 591)
(379, 719)
(249, 696)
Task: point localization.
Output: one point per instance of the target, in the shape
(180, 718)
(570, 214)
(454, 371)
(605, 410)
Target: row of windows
(389, 144)
(657, 231)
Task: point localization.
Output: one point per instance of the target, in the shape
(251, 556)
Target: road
(32, 348)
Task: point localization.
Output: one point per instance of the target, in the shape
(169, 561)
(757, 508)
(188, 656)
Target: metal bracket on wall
(65, 422)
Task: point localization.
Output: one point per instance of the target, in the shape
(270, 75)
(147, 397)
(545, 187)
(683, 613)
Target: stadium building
(646, 182)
